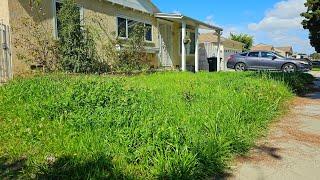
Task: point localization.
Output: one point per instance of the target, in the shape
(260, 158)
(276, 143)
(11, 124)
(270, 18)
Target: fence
(5, 54)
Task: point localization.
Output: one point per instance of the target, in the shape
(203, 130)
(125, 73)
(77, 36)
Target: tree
(312, 22)
(315, 56)
(246, 39)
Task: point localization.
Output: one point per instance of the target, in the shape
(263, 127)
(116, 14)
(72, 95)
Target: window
(243, 54)
(253, 54)
(126, 28)
(148, 32)
(279, 56)
(267, 55)
(122, 27)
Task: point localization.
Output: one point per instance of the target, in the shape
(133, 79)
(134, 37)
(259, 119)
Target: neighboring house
(262, 47)
(208, 48)
(167, 47)
(284, 51)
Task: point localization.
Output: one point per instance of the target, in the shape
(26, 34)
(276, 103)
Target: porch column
(218, 51)
(196, 54)
(183, 48)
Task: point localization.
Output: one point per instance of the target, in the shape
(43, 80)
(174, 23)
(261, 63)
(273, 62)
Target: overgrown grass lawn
(316, 69)
(165, 125)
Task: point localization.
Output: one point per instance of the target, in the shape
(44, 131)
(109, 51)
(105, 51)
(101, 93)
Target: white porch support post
(218, 51)
(183, 48)
(196, 54)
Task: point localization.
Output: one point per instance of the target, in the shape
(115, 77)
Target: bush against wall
(132, 55)
(76, 46)
(121, 55)
(79, 48)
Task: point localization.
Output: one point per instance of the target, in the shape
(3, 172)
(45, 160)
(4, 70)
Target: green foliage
(77, 48)
(160, 126)
(312, 22)
(132, 56)
(246, 39)
(298, 82)
(121, 55)
(315, 56)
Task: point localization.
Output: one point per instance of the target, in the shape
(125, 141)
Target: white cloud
(209, 20)
(285, 15)
(281, 26)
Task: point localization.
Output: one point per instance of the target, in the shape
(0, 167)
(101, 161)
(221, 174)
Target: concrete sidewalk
(292, 149)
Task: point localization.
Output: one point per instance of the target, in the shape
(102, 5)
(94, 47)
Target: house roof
(262, 47)
(180, 18)
(288, 49)
(212, 38)
(145, 6)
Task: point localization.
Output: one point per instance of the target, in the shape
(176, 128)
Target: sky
(274, 22)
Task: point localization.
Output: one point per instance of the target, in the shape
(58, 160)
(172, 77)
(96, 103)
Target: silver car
(266, 60)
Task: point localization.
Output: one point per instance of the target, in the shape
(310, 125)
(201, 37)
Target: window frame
(127, 27)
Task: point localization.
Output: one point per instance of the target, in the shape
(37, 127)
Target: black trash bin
(212, 64)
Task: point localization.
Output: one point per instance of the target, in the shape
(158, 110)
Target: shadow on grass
(65, 167)
(11, 170)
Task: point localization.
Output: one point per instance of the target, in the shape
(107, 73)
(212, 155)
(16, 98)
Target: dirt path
(292, 150)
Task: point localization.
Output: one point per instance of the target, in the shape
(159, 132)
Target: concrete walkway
(292, 149)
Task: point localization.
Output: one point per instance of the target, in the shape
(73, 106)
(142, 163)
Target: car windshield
(279, 56)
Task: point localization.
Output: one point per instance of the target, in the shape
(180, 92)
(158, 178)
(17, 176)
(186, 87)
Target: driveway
(292, 149)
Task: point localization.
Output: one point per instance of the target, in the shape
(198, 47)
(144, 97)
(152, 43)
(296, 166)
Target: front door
(165, 44)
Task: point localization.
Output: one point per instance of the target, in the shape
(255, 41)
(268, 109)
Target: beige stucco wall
(19, 9)
(109, 13)
(4, 12)
(91, 9)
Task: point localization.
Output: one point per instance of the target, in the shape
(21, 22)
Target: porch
(179, 41)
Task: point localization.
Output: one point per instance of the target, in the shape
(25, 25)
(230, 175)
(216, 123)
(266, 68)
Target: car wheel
(289, 68)
(240, 67)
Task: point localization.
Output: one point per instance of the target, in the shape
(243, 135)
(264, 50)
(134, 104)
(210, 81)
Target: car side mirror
(274, 57)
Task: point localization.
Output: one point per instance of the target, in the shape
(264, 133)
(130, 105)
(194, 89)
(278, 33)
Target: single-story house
(286, 51)
(210, 43)
(167, 47)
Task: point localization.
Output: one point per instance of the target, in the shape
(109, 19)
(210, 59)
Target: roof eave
(186, 18)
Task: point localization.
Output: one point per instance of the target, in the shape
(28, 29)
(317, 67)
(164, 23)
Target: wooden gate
(5, 54)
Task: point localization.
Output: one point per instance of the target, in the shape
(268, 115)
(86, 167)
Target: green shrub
(76, 46)
(297, 82)
(165, 125)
